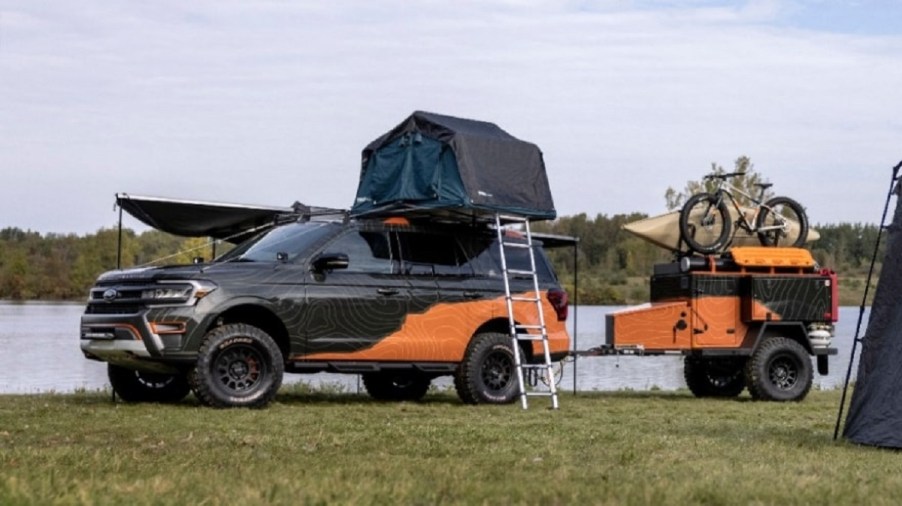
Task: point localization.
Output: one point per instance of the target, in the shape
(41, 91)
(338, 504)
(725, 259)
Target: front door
(350, 310)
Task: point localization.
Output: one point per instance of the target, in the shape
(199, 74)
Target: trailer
(749, 318)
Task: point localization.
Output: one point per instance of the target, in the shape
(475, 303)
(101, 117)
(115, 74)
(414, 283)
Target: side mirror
(330, 261)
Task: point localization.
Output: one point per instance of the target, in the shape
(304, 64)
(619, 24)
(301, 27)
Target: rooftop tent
(229, 222)
(459, 167)
(875, 411)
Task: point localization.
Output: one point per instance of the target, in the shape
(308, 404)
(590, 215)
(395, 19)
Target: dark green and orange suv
(395, 301)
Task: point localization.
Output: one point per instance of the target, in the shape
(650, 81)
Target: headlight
(169, 292)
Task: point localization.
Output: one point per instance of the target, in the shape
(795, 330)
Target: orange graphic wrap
(442, 333)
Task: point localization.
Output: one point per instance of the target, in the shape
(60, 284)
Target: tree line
(613, 265)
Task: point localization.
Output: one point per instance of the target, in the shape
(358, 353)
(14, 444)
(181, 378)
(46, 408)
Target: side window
(432, 254)
(367, 252)
(485, 258)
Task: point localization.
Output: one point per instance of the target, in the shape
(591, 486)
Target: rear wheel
(779, 370)
(141, 386)
(396, 386)
(705, 223)
(237, 366)
(488, 373)
(708, 377)
(782, 222)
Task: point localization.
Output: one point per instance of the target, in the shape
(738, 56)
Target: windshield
(294, 240)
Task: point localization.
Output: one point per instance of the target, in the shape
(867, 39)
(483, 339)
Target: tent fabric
(431, 162)
(229, 222)
(875, 411)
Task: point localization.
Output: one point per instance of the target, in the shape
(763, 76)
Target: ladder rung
(530, 337)
(528, 327)
(537, 366)
(521, 272)
(507, 217)
(540, 393)
(526, 299)
(517, 245)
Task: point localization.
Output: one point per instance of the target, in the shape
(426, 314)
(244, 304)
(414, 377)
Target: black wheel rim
(783, 373)
(497, 371)
(239, 369)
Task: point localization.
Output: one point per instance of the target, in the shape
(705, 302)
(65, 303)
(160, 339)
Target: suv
(398, 302)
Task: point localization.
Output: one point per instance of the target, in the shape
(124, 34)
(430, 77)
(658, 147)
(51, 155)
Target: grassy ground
(316, 448)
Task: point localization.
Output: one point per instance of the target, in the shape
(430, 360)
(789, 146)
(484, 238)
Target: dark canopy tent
(228, 222)
(875, 411)
(461, 167)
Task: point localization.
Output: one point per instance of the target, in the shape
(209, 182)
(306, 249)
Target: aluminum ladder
(525, 333)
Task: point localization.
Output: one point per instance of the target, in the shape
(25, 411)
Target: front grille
(104, 308)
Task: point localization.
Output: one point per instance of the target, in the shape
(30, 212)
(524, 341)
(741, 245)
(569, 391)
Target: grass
(328, 448)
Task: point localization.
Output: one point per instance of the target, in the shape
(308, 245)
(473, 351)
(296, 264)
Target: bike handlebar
(724, 176)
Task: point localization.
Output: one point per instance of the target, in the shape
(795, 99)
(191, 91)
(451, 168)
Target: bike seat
(764, 186)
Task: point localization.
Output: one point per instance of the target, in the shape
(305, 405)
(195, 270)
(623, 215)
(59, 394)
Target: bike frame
(743, 222)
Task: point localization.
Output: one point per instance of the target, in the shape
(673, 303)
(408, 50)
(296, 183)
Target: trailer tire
(707, 377)
(779, 370)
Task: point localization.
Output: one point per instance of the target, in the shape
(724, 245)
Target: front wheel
(779, 370)
(782, 222)
(488, 373)
(142, 386)
(237, 366)
(705, 223)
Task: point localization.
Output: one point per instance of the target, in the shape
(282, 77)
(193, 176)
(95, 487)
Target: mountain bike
(705, 220)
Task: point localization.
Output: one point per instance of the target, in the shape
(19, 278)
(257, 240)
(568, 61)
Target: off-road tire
(396, 386)
(796, 213)
(717, 226)
(779, 370)
(238, 365)
(488, 373)
(142, 386)
(707, 377)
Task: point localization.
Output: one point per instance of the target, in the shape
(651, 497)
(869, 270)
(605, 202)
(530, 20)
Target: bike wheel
(782, 222)
(705, 223)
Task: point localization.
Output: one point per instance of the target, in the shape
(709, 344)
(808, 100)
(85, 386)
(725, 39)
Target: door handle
(472, 295)
(387, 291)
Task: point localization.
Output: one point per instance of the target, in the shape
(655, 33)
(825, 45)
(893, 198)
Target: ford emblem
(110, 294)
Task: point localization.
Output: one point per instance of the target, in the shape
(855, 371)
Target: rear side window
(485, 259)
(432, 254)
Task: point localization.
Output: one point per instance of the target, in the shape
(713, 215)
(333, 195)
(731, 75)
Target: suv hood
(152, 273)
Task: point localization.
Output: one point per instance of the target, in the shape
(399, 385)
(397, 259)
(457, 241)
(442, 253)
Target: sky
(271, 102)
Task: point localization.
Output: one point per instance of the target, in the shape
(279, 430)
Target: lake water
(39, 352)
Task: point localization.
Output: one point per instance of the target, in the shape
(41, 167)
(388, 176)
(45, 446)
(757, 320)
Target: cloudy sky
(270, 102)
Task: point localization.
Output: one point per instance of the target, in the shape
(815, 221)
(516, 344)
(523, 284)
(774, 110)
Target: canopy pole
(864, 298)
(119, 245)
(575, 310)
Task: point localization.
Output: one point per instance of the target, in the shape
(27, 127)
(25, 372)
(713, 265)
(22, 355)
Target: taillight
(560, 301)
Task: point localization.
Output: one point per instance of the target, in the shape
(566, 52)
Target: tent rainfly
(457, 167)
(875, 411)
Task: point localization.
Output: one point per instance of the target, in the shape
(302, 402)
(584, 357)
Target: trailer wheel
(488, 373)
(396, 386)
(708, 377)
(779, 370)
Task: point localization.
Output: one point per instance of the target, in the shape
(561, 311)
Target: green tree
(746, 183)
